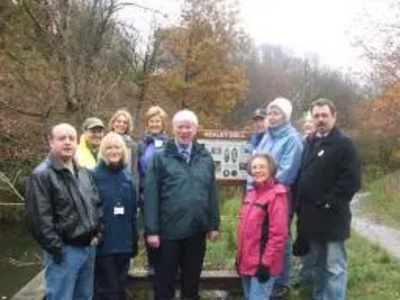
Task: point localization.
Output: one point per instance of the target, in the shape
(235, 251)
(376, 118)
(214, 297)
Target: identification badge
(158, 143)
(119, 210)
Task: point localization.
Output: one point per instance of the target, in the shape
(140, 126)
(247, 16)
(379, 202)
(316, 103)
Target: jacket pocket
(66, 226)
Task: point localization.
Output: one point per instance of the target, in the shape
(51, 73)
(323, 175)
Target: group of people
(314, 176)
(82, 204)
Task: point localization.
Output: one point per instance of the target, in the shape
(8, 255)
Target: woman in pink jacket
(262, 230)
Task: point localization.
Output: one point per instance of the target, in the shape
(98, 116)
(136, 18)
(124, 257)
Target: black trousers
(152, 253)
(186, 255)
(111, 273)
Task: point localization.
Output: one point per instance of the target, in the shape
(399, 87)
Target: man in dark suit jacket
(329, 178)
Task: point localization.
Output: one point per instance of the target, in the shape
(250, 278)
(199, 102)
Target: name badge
(119, 211)
(158, 143)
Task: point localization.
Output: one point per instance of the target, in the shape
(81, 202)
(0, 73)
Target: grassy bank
(383, 201)
(373, 274)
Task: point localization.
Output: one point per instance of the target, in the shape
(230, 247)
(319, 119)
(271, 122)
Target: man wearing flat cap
(259, 126)
(89, 143)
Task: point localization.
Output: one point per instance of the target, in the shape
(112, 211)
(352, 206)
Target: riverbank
(20, 258)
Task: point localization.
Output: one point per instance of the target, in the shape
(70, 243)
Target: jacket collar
(112, 168)
(279, 131)
(172, 149)
(149, 137)
(57, 165)
(265, 185)
(329, 139)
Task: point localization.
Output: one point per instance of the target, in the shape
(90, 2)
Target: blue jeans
(330, 271)
(284, 278)
(255, 290)
(73, 279)
(307, 268)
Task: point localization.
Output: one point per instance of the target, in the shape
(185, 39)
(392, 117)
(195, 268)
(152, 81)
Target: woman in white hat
(284, 143)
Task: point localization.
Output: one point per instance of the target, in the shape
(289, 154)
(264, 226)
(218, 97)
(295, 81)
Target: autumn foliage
(382, 116)
(199, 73)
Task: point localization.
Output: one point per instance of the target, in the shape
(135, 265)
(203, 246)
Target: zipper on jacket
(245, 220)
(89, 222)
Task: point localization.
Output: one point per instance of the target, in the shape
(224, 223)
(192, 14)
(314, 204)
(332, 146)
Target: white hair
(185, 116)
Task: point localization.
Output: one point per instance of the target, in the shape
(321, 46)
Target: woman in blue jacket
(117, 192)
(154, 140)
(284, 143)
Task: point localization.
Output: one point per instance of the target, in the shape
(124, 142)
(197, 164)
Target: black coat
(329, 177)
(62, 208)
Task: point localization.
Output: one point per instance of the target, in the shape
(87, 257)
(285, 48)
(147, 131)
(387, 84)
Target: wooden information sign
(231, 151)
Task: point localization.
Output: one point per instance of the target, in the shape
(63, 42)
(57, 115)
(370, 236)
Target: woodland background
(65, 60)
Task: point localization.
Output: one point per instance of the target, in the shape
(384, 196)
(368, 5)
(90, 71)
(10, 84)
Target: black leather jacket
(62, 208)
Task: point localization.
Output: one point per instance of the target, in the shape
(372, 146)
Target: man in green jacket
(181, 208)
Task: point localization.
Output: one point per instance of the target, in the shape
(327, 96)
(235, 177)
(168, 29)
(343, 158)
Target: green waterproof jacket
(181, 198)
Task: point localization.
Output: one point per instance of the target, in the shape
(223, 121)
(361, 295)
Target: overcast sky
(325, 27)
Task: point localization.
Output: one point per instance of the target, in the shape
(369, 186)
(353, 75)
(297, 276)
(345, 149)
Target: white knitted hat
(284, 105)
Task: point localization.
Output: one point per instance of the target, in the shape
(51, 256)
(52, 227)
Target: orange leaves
(383, 114)
(200, 73)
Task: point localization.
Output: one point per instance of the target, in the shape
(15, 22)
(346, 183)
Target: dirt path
(365, 225)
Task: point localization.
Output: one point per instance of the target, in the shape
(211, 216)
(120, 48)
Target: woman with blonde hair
(121, 122)
(154, 140)
(307, 125)
(117, 192)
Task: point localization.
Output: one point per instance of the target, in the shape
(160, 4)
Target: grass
(383, 201)
(373, 274)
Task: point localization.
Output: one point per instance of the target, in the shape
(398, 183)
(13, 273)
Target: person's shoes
(280, 293)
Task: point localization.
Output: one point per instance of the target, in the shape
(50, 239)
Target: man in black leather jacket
(63, 212)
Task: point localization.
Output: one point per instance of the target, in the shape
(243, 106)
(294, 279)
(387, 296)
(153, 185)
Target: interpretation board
(231, 150)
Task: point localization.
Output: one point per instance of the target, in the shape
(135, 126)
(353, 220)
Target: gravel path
(386, 237)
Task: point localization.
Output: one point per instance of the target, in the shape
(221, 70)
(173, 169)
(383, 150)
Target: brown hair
(126, 114)
(157, 111)
(270, 160)
(323, 102)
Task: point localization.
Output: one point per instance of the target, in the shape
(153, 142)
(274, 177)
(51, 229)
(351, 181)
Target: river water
(20, 258)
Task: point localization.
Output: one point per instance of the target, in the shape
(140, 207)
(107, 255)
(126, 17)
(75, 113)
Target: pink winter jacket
(263, 228)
